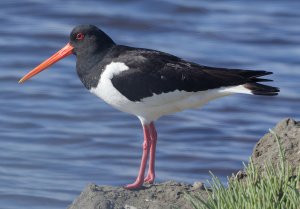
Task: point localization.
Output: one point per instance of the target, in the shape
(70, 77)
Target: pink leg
(151, 171)
(146, 145)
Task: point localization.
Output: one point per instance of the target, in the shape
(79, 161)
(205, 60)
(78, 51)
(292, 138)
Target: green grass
(276, 188)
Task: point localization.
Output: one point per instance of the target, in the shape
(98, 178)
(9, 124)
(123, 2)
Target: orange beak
(65, 51)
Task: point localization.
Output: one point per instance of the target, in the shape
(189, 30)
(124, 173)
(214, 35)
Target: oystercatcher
(149, 83)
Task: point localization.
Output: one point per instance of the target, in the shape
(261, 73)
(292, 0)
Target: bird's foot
(136, 185)
(149, 178)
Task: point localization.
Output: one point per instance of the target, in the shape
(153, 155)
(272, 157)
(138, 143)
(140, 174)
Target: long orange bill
(65, 51)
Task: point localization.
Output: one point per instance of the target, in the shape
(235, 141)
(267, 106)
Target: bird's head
(88, 39)
(85, 40)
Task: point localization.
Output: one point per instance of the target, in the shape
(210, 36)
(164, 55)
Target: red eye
(79, 36)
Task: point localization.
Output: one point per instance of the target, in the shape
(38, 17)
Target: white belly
(151, 108)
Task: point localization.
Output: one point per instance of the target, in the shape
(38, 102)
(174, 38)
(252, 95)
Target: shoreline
(171, 194)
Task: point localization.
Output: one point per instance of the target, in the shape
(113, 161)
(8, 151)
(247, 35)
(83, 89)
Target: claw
(149, 179)
(136, 185)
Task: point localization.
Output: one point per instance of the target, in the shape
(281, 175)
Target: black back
(153, 72)
(150, 72)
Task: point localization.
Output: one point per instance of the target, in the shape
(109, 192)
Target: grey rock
(167, 195)
(173, 195)
(266, 150)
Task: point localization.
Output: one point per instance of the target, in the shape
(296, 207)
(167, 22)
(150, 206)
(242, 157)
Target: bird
(149, 83)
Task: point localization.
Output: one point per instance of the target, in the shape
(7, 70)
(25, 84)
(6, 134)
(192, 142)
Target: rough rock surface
(172, 195)
(266, 150)
(168, 195)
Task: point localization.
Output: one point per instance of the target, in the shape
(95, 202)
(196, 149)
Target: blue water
(55, 137)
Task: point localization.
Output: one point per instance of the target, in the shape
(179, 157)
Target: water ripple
(56, 137)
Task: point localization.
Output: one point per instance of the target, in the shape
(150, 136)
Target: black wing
(153, 72)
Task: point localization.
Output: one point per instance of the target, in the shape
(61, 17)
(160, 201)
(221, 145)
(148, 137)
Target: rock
(167, 195)
(171, 195)
(240, 175)
(266, 150)
(198, 185)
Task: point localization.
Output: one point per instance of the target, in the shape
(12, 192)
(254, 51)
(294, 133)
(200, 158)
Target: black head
(87, 42)
(88, 39)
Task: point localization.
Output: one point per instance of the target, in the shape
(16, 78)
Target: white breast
(105, 89)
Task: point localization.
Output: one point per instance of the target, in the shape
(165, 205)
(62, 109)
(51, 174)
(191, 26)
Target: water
(56, 137)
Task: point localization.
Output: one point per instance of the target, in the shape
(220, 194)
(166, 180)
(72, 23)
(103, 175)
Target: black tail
(257, 88)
